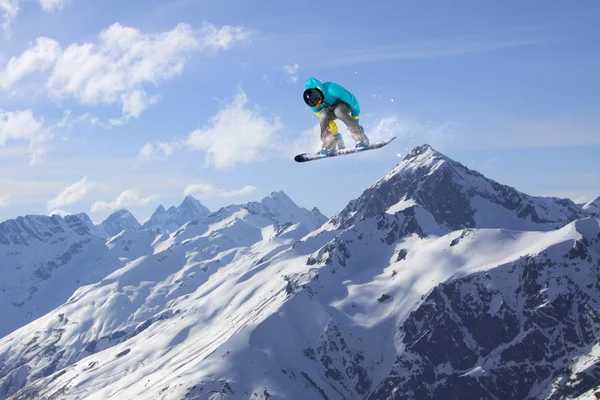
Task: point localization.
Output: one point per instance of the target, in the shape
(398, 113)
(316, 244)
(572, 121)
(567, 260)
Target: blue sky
(108, 104)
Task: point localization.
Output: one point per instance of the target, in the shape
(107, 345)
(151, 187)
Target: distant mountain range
(436, 282)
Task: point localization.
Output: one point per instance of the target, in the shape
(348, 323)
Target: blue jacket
(333, 93)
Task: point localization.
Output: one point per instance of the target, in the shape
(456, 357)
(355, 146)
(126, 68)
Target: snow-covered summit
(277, 209)
(592, 206)
(172, 219)
(458, 197)
(117, 222)
(423, 156)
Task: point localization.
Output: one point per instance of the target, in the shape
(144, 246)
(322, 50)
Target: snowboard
(348, 150)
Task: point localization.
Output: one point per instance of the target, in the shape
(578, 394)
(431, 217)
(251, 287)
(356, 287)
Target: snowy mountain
(161, 271)
(435, 283)
(527, 328)
(117, 222)
(457, 197)
(42, 261)
(592, 206)
(172, 219)
(277, 208)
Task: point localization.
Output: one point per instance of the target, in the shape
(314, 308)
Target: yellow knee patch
(333, 127)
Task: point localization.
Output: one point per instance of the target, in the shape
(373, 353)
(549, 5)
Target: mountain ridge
(458, 197)
(213, 307)
(173, 218)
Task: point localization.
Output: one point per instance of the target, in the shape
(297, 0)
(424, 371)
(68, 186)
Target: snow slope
(293, 330)
(42, 261)
(161, 271)
(527, 328)
(403, 294)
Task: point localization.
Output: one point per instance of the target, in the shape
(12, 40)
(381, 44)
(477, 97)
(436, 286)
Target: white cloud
(307, 141)
(4, 201)
(51, 5)
(9, 9)
(60, 213)
(115, 68)
(76, 123)
(153, 152)
(135, 102)
(206, 190)
(385, 128)
(238, 136)
(292, 71)
(71, 194)
(124, 59)
(22, 125)
(221, 38)
(126, 199)
(37, 58)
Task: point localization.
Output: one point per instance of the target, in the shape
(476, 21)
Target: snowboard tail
(304, 157)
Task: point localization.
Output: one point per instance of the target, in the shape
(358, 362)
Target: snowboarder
(331, 101)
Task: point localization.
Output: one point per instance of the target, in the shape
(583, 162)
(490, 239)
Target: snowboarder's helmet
(312, 97)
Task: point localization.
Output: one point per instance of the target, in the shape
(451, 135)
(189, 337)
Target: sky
(111, 104)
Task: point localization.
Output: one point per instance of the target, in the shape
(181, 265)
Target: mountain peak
(279, 196)
(457, 197)
(592, 206)
(189, 199)
(119, 221)
(423, 156)
(172, 219)
(423, 160)
(420, 150)
(277, 208)
(277, 202)
(191, 202)
(121, 213)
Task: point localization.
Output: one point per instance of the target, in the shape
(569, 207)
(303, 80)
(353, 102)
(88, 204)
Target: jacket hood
(312, 83)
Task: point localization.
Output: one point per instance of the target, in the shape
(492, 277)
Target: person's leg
(343, 113)
(325, 117)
